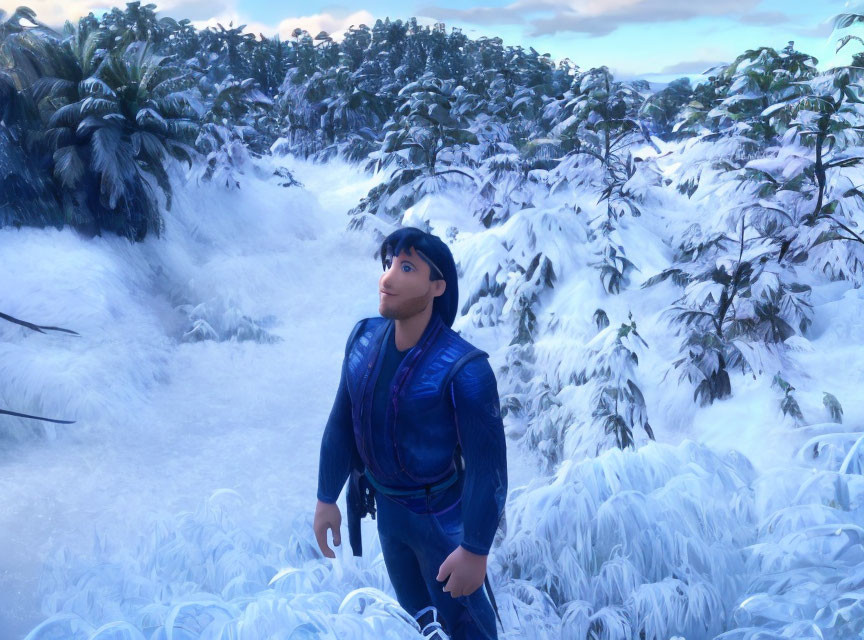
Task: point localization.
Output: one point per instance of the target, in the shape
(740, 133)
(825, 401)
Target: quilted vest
(419, 422)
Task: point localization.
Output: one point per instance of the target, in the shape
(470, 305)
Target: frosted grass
(213, 573)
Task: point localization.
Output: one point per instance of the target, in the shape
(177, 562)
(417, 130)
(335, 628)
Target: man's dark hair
(441, 264)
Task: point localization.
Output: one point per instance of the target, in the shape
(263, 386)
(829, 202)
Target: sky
(657, 40)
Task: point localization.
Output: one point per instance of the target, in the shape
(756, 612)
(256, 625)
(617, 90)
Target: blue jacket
(444, 392)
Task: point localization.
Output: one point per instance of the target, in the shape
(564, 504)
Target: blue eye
(389, 263)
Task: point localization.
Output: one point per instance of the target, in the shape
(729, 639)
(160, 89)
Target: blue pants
(416, 537)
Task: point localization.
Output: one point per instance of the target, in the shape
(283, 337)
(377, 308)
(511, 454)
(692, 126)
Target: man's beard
(406, 307)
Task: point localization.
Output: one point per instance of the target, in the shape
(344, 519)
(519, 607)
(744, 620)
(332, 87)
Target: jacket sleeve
(334, 462)
(481, 436)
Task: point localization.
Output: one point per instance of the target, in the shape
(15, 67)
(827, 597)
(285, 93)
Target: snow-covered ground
(183, 495)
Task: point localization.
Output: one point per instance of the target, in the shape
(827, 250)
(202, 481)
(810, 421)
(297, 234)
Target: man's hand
(466, 570)
(327, 516)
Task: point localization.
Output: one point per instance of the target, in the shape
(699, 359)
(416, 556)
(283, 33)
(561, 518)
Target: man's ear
(440, 287)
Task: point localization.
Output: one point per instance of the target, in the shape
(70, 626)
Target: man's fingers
(455, 591)
(337, 537)
(443, 572)
(321, 537)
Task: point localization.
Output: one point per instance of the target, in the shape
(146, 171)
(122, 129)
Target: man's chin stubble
(407, 309)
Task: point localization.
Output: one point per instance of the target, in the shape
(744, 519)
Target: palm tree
(26, 196)
(112, 124)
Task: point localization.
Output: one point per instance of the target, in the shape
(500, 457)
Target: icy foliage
(214, 573)
(807, 568)
(631, 544)
(218, 320)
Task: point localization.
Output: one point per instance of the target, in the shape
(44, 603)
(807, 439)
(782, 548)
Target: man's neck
(409, 330)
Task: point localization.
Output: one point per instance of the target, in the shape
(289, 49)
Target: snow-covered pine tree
(725, 114)
(692, 120)
(661, 108)
(424, 140)
(759, 78)
(594, 120)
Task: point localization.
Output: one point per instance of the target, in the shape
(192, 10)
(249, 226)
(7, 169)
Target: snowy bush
(219, 320)
(634, 544)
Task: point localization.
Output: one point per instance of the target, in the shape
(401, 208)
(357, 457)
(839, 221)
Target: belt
(409, 493)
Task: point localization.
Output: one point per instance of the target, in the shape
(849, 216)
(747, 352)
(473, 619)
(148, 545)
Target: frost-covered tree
(737, 309)
(759, 78)
(692, 119)
(424, 141)
(597, 120)
(135, 23)
(111, 125)
(26, 193)
(618, 404)
(232, 49)
(554, 398)
(823, 123)
(227, 146)
(661, 108)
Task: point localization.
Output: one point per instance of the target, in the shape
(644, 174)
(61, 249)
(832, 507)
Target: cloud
(192, 9)
(207, 13)
(691, 66)
(335, 21)
(334, 24)
(55, 14)
(592, 17)
(669, 72)
(822, 30)
(764, 18)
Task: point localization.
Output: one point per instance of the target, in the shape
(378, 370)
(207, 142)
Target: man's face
(404, 289)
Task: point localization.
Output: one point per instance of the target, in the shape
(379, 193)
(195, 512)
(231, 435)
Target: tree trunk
(820, 169)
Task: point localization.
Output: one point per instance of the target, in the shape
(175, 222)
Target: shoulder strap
(454, 369)
(458, 460)
(357, 329)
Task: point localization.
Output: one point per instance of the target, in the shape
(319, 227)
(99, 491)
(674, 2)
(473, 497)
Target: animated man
(414, 399)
